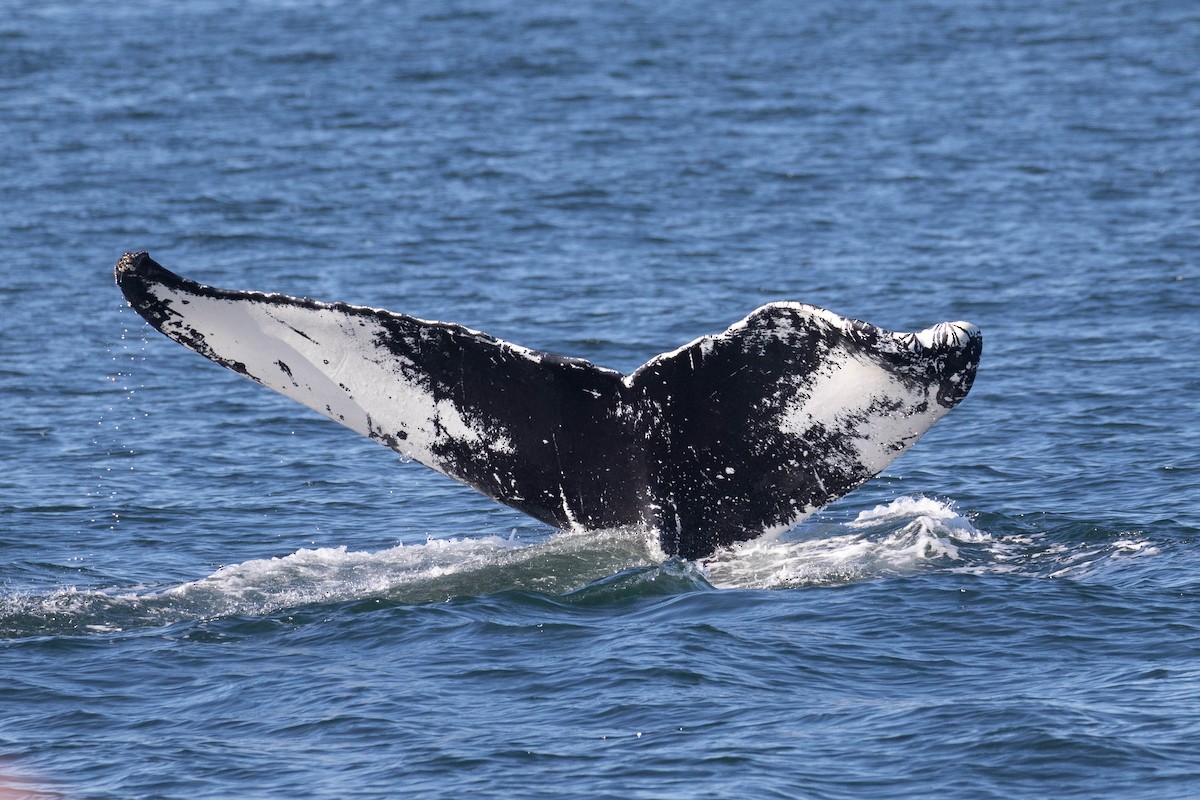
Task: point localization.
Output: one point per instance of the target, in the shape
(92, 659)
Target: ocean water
(207, 591)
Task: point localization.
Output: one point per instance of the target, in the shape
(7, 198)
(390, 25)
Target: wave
(912, 535)
(905, 536)
(909, 535)
(436, 570)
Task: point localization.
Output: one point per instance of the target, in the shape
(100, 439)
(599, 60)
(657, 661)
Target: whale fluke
(729, 437)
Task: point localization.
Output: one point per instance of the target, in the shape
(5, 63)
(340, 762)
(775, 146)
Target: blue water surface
(207, 591)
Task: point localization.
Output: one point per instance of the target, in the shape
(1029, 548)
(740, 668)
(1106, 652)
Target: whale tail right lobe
(758, 427)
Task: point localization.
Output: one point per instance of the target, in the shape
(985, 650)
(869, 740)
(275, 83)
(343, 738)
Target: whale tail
(731, 436)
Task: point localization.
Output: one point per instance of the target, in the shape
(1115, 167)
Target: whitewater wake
(905, 536)
(909, 535)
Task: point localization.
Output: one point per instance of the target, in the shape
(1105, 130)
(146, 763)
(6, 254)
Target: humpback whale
(730, 437)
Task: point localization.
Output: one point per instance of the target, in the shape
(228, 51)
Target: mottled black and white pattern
(725, 439)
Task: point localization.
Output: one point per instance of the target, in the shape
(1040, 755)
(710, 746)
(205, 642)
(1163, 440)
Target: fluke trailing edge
(728, 437)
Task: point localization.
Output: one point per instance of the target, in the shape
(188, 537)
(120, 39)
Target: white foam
(1089, 559)
(434, 570)
(907, 535)
(930, 511)
(431, 571)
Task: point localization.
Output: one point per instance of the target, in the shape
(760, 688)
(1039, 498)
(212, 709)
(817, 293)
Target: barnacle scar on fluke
(729, 437)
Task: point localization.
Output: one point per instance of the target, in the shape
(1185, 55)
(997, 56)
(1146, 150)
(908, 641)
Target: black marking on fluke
(729, 437)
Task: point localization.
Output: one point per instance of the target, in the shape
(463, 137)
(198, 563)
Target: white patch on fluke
(336, 366)
(840, 398)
